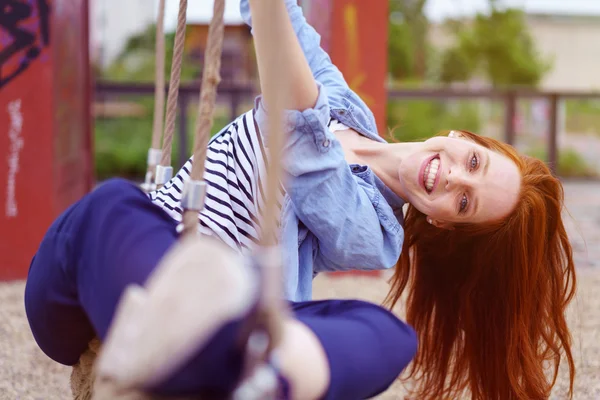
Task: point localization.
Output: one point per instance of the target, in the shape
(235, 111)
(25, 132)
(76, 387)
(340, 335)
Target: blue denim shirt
(335, 216)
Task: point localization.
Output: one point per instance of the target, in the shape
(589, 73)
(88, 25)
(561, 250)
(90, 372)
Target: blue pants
(115, 236)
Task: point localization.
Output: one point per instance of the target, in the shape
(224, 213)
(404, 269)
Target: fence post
(510, 111)
(553, 133)
(183, 125)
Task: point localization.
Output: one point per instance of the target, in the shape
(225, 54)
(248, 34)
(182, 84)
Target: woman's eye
(464, 203)
(474, 162)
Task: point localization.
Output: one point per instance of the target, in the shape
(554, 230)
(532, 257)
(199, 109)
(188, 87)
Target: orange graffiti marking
(356, 77)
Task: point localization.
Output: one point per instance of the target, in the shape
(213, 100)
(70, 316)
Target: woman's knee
(58, 325)
(396, 340)
(402, 344)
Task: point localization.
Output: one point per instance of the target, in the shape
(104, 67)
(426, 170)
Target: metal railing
(236, 94)
(509, 98)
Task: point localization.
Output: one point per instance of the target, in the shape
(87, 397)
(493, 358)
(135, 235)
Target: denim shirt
(335, 216)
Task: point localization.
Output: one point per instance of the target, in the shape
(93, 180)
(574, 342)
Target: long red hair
(488, 301)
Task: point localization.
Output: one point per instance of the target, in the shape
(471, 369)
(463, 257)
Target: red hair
(488, 301)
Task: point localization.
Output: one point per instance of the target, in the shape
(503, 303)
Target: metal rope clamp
(163, 174)
(192, 197)
(154, 157)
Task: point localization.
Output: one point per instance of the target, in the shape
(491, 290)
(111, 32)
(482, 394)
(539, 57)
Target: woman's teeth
(430, 173)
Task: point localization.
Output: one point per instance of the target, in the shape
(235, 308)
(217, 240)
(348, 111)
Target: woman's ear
(440, 224)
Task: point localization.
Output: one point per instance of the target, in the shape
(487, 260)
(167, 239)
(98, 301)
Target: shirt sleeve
(354, 225)
(323, 70)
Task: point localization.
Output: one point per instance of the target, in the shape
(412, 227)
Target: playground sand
(27, 374)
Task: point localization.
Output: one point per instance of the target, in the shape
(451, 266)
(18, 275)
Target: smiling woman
(482, 250)
(452, 179)
(460, 181)
(488, 268)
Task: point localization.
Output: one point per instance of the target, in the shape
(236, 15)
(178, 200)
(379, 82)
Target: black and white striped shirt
(235, 172)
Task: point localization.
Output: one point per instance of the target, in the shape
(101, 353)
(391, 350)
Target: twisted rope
(159, 99)
(174, 84)
(208, 94)
(159, 90)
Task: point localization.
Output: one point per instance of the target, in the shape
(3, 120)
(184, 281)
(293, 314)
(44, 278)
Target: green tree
(136, 62)
(400, 49)
(407, 42)
(497, 46)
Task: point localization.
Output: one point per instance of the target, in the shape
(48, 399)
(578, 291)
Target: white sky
(436, 10)
(440, 9)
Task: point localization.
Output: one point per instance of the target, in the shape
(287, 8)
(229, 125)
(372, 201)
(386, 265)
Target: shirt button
(326, 143)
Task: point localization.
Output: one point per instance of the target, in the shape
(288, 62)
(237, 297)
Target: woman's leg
(112, 238)
(367, 347)
(115, 237)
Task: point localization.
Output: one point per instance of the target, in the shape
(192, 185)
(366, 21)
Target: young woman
(115, 238)
(482, 249)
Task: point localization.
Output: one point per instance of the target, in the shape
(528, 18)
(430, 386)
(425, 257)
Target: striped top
(235, 173)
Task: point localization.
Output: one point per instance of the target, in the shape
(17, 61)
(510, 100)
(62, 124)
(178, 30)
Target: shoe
(199, 286)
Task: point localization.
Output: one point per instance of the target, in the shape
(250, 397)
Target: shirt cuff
(311, 121)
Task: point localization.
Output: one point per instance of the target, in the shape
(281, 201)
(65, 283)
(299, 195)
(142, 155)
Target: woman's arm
(281, 62)
(339, 94)
(322, 69)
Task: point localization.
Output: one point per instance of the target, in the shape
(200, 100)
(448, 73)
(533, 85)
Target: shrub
(121, 144)
(414, 120)
(570, 163)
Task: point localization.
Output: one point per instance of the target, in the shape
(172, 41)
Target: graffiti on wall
(24, 33)
(14, 149)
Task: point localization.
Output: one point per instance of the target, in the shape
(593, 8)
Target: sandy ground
(26, 373)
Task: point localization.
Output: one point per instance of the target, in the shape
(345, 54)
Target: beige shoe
(200, 285)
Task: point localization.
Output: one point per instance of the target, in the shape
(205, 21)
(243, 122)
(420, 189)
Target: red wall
(354, 33)
(45, 141)
(359, 49)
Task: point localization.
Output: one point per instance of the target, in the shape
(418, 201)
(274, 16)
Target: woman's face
(454, 180)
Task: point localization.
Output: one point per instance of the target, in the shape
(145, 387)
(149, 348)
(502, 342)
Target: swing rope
(164, 170)
(174, 84)
(159, 90)
(195, 189)
(154, 152)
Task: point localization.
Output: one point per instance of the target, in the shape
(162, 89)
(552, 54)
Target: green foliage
(407, 39)
(400, 50)
(456, 66)
(499, 46)
(121, 144)
(415, 120)
(582, 116)
(136, 62)
(570, 163)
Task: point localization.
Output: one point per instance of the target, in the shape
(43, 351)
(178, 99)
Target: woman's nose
(457, 177)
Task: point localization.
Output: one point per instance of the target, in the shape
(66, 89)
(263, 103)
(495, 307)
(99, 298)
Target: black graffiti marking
(12, 13)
